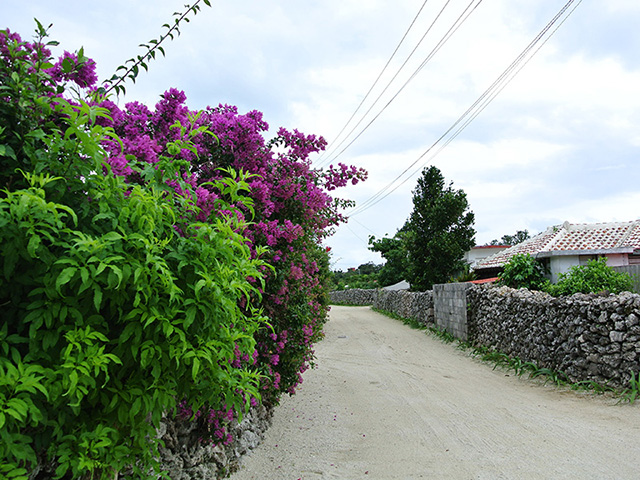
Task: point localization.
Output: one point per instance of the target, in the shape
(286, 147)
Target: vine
(131, 72)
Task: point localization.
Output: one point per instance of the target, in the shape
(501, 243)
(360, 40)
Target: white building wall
(562, 264)
(618, 260)
(479, 253)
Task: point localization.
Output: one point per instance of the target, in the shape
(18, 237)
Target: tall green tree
(439, 231)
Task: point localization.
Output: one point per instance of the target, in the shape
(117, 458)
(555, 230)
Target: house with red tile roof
(562, 246)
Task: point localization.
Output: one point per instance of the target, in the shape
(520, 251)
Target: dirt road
(389, 402)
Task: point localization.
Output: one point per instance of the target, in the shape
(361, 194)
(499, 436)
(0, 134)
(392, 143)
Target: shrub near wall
(586, 336)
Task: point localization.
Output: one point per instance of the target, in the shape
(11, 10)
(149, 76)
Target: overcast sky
(560, 142)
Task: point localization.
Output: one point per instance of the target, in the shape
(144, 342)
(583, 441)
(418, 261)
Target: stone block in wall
(450, 308)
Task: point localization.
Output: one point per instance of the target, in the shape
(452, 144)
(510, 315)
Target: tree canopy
(394, 251)
(430, 247)
(439, 231)
(511, 240)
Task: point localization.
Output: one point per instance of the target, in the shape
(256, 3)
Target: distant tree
(368, 268)
(365, 276)
(394, 251)
(519, 237)
(438, 232)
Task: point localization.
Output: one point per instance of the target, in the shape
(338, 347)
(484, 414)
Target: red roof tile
(484, 280)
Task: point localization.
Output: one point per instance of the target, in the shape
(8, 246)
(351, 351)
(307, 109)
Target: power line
(488, 100)
(474, 110)
(390, 81)
(355, 234)
(363, 225)
(384, 69)
(457, 24)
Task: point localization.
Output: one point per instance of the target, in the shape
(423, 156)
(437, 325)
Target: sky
(559, 142)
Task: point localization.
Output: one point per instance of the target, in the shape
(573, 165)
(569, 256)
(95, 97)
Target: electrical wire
(493, 95)
(384, 69)
(457, 24)
(474, 110)
(389, 83)
(356, 235)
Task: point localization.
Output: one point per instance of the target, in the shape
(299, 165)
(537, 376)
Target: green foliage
(519, 366)
(394, 251)
(523, 271)
(109, 316)
(519, 237)
(630, 395)
(442, 334)
(594, 277)
(439, 231)
(411, 322)
(465, 275)
(365, 277)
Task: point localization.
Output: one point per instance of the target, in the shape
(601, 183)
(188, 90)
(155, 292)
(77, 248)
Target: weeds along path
(389, 402)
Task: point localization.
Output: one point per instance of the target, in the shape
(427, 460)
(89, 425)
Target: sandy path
(389, 402)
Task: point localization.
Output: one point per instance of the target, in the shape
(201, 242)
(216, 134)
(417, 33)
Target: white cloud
(559, 143)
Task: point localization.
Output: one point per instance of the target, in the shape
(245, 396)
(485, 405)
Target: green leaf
(84, 276)
(111, 236)
(190, 316)
(7, 151)
(32, 247)
(65, 277)
(67, 65)
(135, 407)
(195, 367)
(97, 297)
(17, 408)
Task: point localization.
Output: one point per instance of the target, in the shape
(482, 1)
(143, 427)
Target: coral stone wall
(587, 337)
(355, 296)
(185, 457)
(415, 305)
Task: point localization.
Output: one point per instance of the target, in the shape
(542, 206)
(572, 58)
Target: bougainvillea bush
(153, 262)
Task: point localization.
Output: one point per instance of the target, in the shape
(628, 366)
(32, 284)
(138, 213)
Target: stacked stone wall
(185, 457)
(355, 296)
(414, 305)
(587, 337)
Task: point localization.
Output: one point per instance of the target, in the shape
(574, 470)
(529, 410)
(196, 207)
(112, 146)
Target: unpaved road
(389, 402)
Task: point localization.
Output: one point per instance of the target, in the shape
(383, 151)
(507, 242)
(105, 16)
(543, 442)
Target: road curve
(389, 402)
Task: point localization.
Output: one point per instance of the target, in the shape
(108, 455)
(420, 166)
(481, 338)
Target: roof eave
(595, 251)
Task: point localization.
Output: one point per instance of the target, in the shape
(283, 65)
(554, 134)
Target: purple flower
(70, 67)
